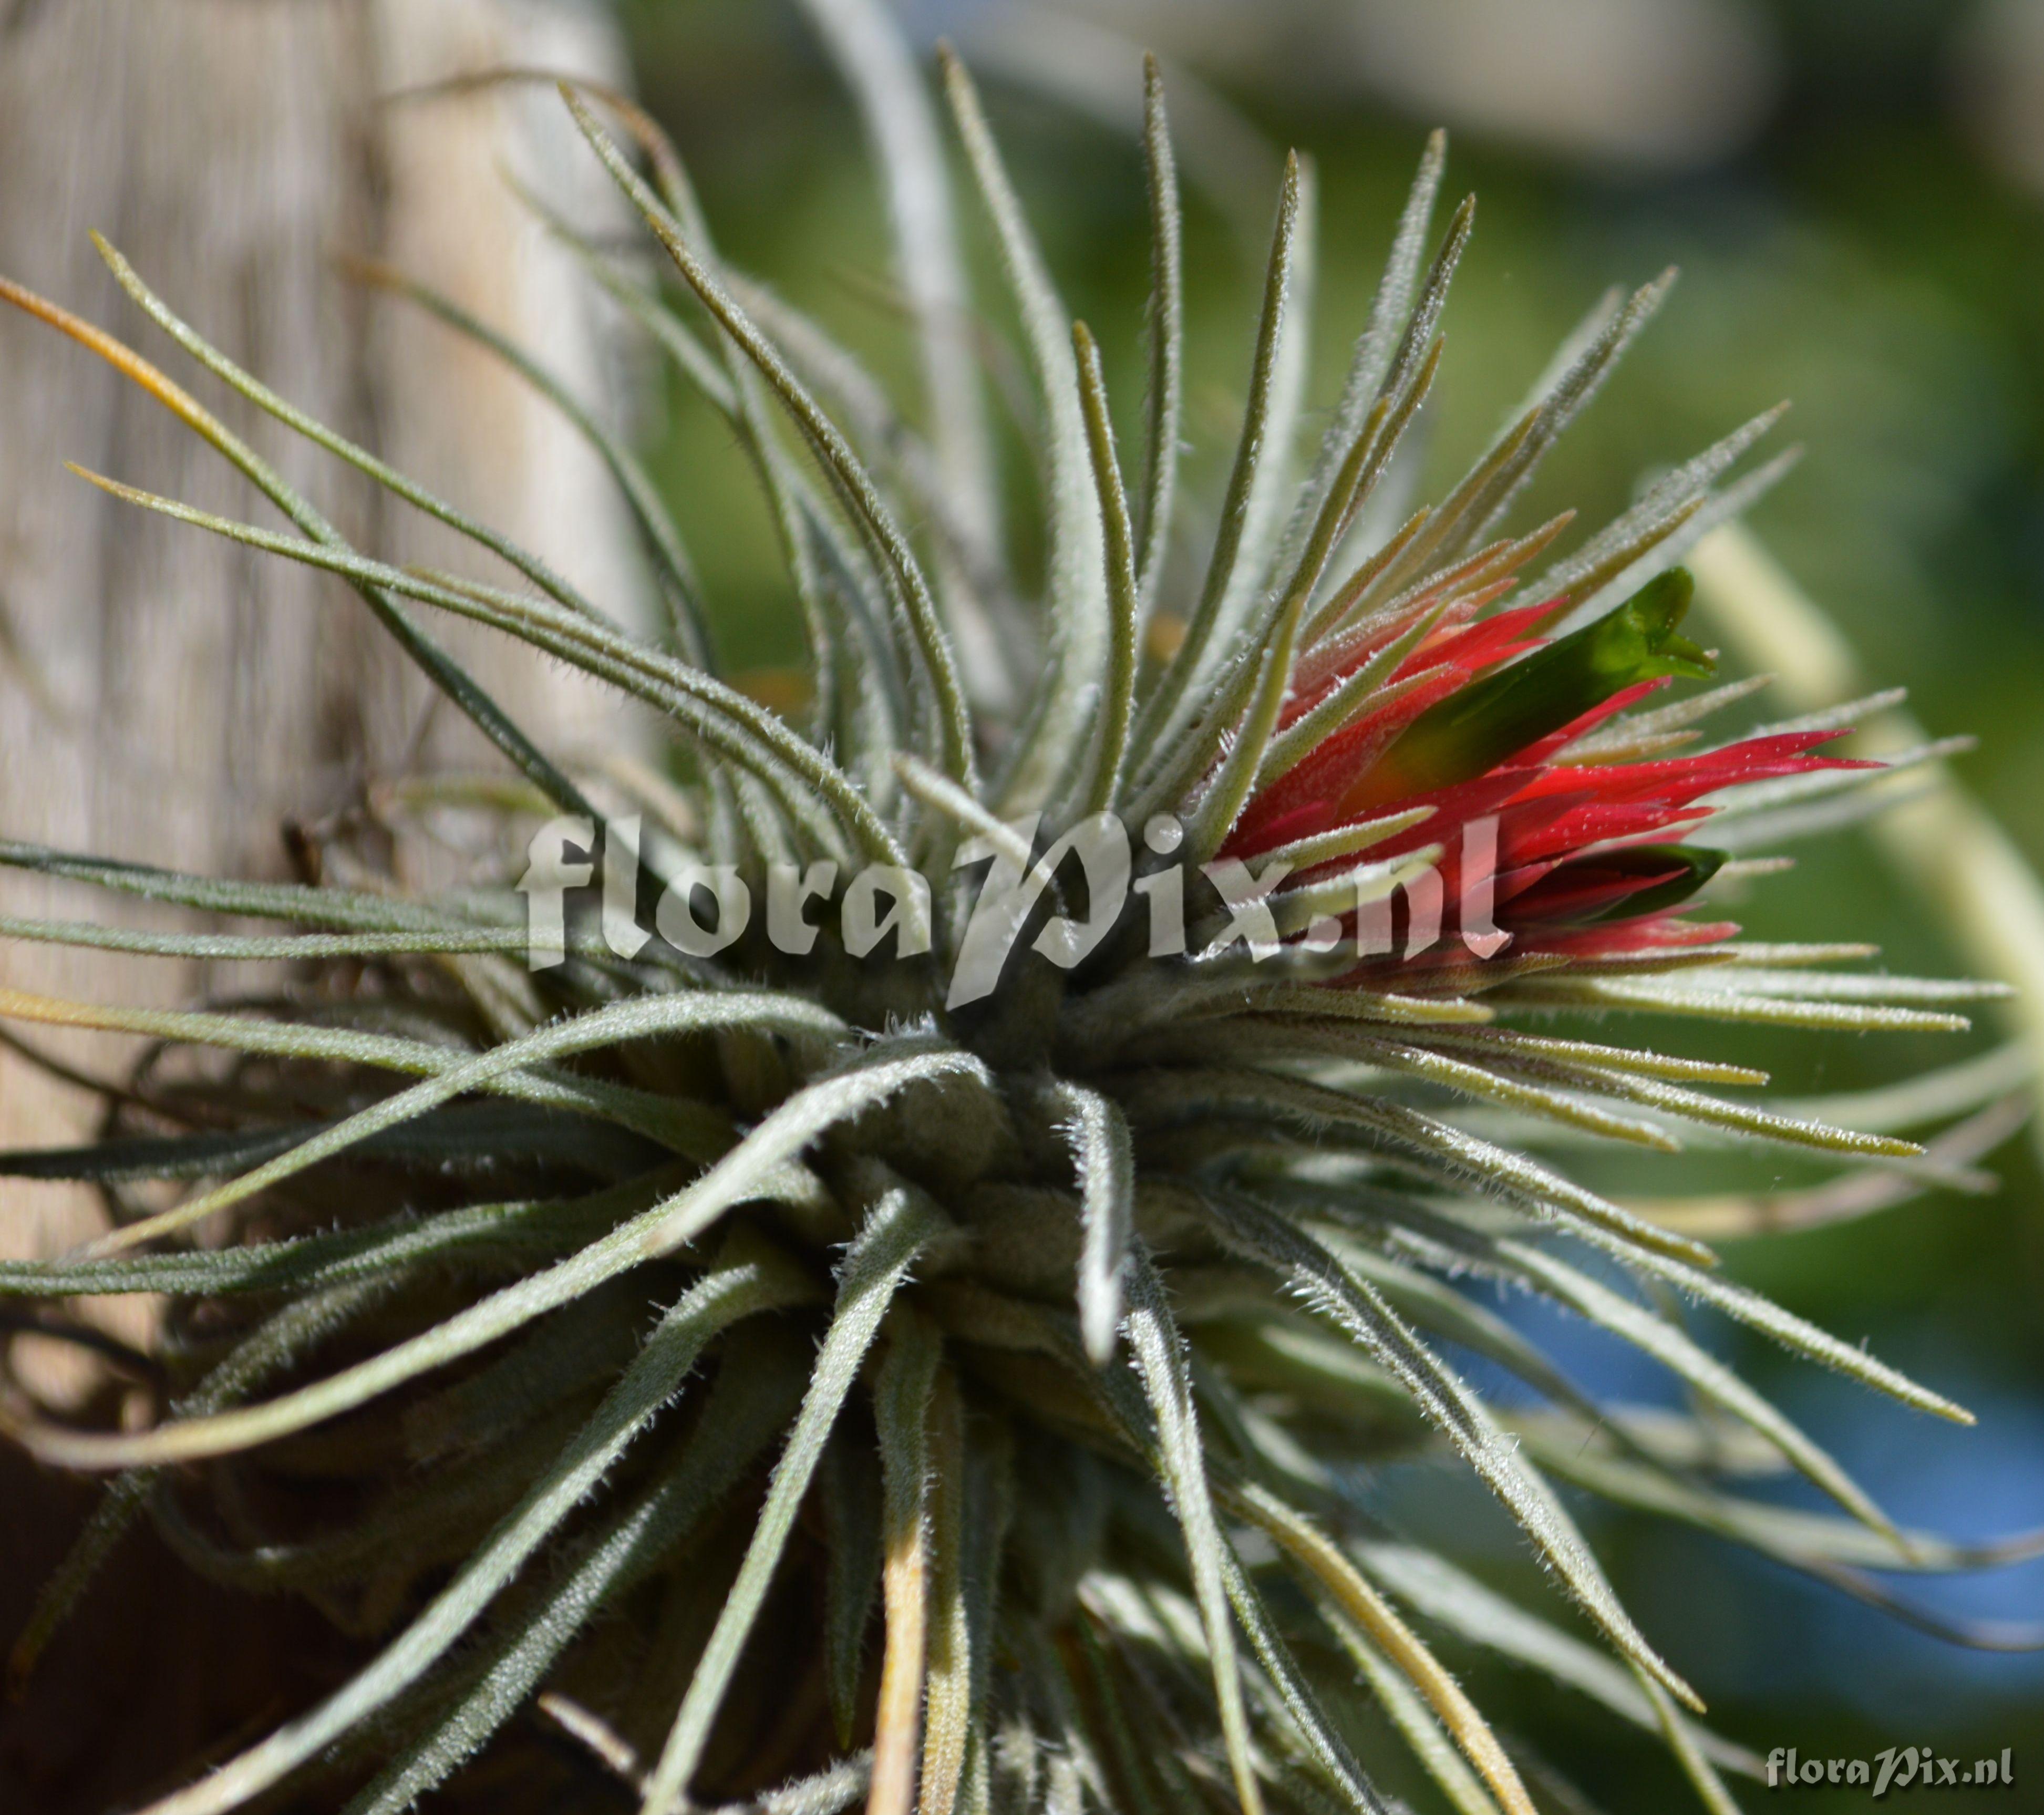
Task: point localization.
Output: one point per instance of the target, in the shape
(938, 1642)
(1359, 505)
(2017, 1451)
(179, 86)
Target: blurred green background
(1850, 190)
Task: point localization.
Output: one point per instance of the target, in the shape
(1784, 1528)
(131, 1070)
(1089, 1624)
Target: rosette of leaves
(788, 1378)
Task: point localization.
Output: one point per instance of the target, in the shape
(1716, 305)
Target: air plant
(784, 1372)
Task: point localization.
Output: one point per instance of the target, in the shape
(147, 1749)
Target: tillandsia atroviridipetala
(939, 1357)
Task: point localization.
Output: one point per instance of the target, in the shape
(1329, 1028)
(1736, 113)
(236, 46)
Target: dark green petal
(1491, 720)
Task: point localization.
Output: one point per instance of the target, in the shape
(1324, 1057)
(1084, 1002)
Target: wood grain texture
(168, 698)
(164, 696)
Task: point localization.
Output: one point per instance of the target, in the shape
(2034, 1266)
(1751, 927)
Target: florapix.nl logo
(1395, 906)
(1895, 1767)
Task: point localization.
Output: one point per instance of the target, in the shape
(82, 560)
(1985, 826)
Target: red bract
(1586, 858)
